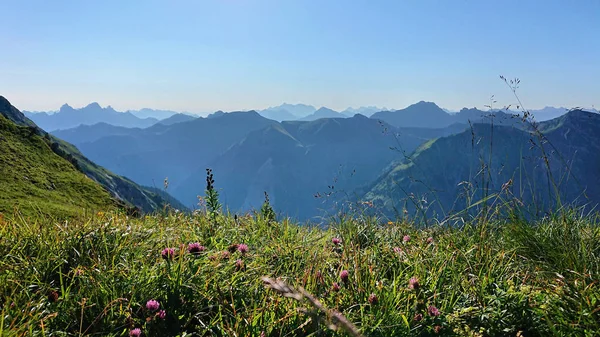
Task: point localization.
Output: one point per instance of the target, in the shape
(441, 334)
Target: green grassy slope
(127, 193)
(36, 180)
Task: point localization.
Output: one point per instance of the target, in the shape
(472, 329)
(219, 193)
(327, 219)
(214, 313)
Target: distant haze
(204, 56)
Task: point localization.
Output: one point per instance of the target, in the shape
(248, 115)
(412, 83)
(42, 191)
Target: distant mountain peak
(93, 105)
(426, 103)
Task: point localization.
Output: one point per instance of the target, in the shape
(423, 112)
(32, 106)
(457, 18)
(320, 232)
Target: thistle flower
(152, 305)
(135, 332)
(242, 248)
(168, 253)
(336, 241)
(406, 238)
(335, 287)
(433, 311)
(413, 283)
(373, 299)
(195, 248)
(418, 317)
(344, 275)
(162, 314)
(225, 255)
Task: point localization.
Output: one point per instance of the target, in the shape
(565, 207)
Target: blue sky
(242, 54)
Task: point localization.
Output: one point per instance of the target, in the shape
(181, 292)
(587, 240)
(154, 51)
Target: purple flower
(344, 275)
(152, 305)
(168, 253)
(397, 250)
(373, 299)
(433, 311)
(429, 240)
(162, 314)
(239, 264)
(135, 332)
(195, 248)
(406, 238)
(413, 283)
(418, 317)
(335, 286)
(336, 241)
(242, 248)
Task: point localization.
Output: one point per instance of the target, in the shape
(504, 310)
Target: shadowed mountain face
(443, 174)
(305, 167)
(175, 151)
(68, 117)
(121, 189)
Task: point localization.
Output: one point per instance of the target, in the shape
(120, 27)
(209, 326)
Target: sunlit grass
(96, 277)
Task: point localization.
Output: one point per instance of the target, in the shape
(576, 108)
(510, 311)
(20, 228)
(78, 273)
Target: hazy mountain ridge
(251, 154)
(175, 151)
(68, 117)
(323, 112)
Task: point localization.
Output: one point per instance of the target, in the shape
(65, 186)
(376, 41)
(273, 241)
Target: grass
(94, 276)
(37, 181)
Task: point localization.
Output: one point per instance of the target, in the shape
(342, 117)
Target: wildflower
(152, 305)
(242, 248)
(429, 240)
(413, 283)
(418, 317)
(335, 287)
(53, 296)
(195, 248)
(390, 223)
(336, 241)
(344, 275)
(373, 299)
(168, 253)
(225, 255)
(437, 329)
(433, 311)
(397, 250)
(406, 238)
(239, 264)
(162, 314)
(135, 332)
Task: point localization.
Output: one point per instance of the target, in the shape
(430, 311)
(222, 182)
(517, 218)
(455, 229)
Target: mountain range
(46, 170)
(68, 117)
(323, 158)
(539, 169)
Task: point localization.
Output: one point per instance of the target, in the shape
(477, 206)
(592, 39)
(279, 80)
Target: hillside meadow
(202, 274)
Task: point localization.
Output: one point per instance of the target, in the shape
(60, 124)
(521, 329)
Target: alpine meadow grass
(175, 274)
